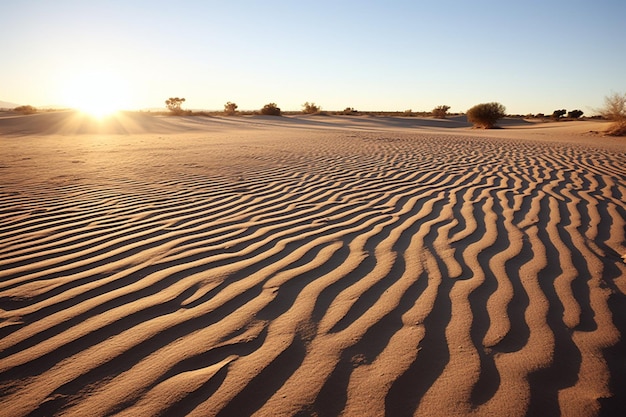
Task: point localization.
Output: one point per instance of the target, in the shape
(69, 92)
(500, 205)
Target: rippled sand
(310, 266)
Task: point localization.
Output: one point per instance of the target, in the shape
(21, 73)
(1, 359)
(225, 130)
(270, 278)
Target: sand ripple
(315, 274)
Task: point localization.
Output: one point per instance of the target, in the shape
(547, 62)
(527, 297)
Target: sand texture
(310, 266)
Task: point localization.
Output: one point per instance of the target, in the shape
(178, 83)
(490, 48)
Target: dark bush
(230, 109)
(441, 112)
(27, 109)
(486, 115)
(557, 114)
(173, 104)
(574, 114)
(271, 109)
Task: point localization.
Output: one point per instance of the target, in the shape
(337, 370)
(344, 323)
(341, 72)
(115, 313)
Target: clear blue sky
(532, 56)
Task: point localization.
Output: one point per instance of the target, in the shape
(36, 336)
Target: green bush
(271, 109)
(485, 115)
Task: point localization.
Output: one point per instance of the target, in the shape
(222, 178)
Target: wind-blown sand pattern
(312, 266)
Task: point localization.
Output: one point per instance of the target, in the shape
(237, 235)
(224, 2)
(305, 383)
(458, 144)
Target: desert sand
(310, 266)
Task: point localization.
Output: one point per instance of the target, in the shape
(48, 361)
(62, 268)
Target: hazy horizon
(532, 57)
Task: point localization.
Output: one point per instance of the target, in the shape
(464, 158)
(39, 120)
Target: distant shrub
(230, 109)
(173, 104)
(310, 108)
(574, 114)
(486, 115)
(441, 112)
(271, 109)
(27, 109)
(557, 114)
(349, 110)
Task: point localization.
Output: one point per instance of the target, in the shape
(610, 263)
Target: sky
(532, 56)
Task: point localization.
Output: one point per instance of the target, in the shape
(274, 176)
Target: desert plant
(173, 104)
(575, 114)
(230, 108)
(486, 115)
(271, 109)
(557, 114)
(614, 109)
(349, 110)
(27, 109)
(310, 108)
(441, 112)
(617, 128)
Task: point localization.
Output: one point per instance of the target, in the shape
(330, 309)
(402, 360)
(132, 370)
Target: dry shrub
(230, 109)
(310, 108)
(486, 115)
(271, 109)
(27, 109)
(615, 109)
(174, 104)
(617, 128)
(440, 112)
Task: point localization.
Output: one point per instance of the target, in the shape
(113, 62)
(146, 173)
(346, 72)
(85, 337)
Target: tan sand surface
(310, 266)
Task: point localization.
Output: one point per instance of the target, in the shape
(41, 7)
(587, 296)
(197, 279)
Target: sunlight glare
(96, 93)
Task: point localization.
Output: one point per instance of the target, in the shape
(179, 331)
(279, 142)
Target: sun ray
(97, 93)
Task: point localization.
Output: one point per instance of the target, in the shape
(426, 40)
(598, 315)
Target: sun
(99, 110)
(97, 93)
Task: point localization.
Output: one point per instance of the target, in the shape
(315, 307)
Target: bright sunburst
(96, 93)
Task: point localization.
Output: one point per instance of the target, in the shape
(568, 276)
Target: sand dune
(310, 266)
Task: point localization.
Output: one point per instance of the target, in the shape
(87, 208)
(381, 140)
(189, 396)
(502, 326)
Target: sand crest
(310, 266)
